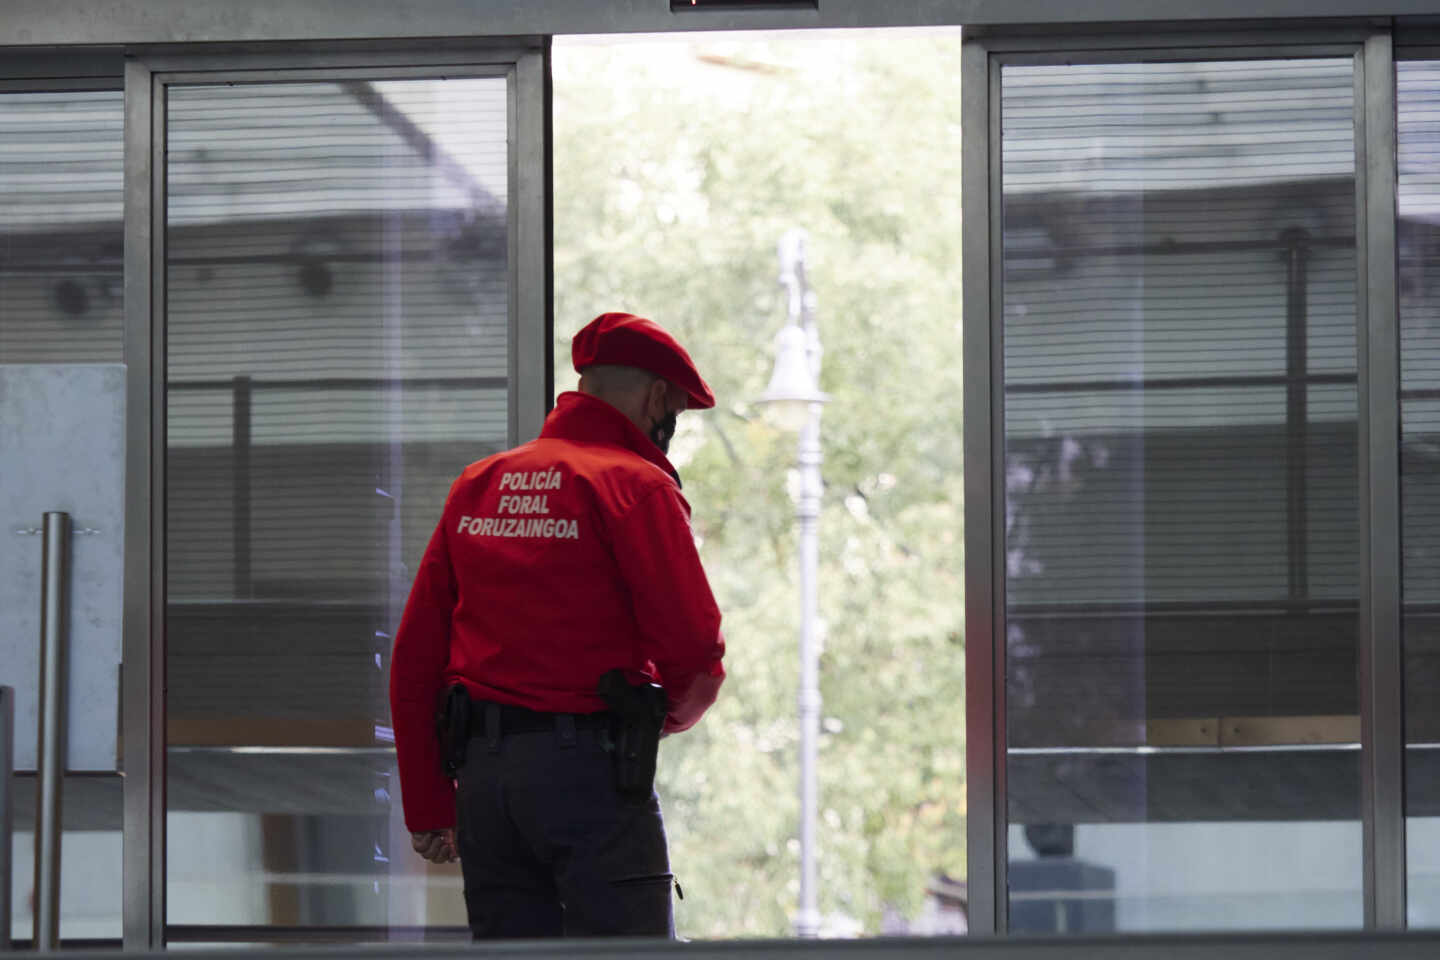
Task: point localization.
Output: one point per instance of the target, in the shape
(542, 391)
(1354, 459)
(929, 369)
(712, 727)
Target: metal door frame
(1380, 668)
(148, 78)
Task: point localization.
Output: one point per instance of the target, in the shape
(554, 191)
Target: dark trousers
(547, 846)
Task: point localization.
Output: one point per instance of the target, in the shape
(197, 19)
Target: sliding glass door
(340, 287)
(1190, 712)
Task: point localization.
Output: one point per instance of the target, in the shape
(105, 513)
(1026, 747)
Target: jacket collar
(582, 418)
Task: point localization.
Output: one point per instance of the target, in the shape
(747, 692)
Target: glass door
(352, 303)
(1418, 244)
(1181, 492)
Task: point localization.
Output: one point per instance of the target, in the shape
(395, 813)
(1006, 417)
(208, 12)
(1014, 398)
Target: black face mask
(663, 430)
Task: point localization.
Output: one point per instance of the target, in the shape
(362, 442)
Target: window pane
(61, 177)
(1180, 452)
(338, 352)
(1419, 276)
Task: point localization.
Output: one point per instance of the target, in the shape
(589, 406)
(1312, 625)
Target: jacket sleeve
(417, 677)
(679, 621)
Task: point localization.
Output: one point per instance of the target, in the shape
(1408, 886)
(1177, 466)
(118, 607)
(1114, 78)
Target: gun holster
(639, 715)
(452, 727)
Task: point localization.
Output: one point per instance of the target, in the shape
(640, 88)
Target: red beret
(625, 340)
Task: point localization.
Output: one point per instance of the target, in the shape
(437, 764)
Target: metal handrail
(50, 753)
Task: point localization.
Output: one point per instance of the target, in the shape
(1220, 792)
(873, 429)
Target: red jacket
(553, 563)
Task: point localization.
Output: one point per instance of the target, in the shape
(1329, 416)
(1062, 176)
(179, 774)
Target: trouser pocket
(641, 906)
(644, 880)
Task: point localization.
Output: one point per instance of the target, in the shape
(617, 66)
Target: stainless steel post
(54, 637)
(7, 808)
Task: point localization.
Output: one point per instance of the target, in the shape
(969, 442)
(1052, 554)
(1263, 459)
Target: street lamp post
(796, 400)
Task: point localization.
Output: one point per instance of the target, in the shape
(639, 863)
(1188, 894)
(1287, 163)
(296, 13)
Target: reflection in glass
(1418, 242)
(338, 351)
(1181, 477)
(61, 236)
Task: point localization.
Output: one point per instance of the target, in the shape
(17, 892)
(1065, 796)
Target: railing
(242, 390)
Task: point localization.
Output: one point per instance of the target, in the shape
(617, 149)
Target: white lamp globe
(792, 389)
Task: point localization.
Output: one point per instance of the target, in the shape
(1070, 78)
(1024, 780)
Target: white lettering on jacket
(531, 480)
(553, 528)
(529, 513)
(526, 504)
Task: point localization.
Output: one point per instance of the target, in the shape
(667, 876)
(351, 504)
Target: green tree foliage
(678, 166)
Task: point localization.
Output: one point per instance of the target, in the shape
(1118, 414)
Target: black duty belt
(513, 719)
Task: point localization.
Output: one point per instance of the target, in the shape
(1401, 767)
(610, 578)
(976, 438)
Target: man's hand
(437, 846)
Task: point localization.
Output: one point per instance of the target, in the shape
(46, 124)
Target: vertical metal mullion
(1000, 617)
(548, 199)
(1378, 369)
(984, 493)
(531, 303)
(142, 708)
(512, 253)
(159, 495)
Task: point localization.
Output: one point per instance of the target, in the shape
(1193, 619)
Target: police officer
(553, 564)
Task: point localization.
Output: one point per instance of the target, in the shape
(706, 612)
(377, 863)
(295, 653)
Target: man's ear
(656, 398)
